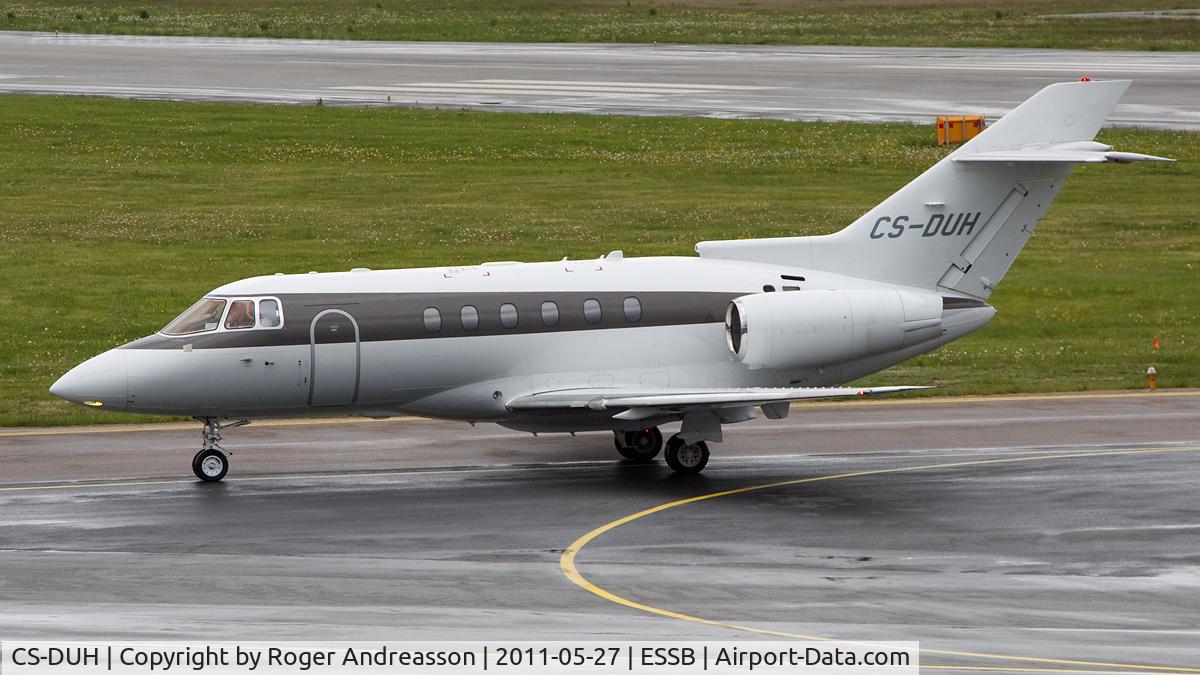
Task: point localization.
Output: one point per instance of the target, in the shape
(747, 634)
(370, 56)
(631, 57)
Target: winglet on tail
(959, 226)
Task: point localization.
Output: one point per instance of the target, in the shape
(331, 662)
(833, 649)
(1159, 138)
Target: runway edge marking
(571, 570)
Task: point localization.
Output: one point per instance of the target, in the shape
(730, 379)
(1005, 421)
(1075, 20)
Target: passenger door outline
(313, 354)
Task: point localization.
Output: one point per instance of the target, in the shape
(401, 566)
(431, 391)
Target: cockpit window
(202, 316)
(268, 313)
(241, 315)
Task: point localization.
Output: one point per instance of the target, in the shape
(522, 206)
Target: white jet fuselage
(661, 324)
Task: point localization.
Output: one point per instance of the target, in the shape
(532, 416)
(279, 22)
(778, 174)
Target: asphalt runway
(800, 83)
(1044, 533)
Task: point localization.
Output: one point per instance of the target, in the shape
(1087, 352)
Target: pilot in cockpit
(241, 315)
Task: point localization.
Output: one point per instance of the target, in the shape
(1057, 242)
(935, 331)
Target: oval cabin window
(550, 313)
(633, 310)
(433, 319)
(469, 317)
(591, 311)
(508, 315)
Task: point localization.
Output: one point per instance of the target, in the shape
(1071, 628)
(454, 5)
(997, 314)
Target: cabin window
(591, 310)
(200, 317)
(433, 319)
(508, 315)
(768, 288)
(268, 313)
(469, 317)
(550, 313)
(633, 310)
(241, 315)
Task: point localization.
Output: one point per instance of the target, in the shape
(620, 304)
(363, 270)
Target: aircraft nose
(99, 382)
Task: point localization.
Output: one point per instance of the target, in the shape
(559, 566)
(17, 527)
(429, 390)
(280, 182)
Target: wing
(644, 403)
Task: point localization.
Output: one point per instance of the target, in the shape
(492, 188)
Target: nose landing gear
(211, 464)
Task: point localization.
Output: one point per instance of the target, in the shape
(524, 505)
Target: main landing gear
(686, 457)
(645, 444)
(211, 464)
(640, 446)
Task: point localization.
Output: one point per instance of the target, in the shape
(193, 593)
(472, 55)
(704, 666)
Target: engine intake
(809, 328)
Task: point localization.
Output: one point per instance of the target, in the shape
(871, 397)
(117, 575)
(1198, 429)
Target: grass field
(929, 23)
(116, 215)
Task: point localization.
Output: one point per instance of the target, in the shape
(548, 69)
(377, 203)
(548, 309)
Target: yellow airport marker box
(959, 128)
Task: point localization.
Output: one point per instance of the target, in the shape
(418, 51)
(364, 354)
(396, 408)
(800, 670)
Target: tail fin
(960, 225)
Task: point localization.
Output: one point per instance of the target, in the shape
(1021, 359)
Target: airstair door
(335, 359)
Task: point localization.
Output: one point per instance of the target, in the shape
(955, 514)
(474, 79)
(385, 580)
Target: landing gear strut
(685, 457)
(641, 446)
(210, 464)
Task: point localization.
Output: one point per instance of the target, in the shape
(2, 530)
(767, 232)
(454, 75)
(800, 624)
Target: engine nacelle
(809, 328)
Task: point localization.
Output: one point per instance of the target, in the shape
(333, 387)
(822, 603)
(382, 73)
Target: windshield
(202, 316)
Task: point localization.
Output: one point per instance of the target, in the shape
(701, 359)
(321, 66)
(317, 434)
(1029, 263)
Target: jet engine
(809, 328)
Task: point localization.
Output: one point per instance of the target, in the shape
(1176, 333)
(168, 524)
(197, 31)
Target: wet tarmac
(1003, 532)
(728, 81)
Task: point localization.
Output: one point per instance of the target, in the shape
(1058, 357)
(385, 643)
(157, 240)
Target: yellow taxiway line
(567, 563)
(938, 400)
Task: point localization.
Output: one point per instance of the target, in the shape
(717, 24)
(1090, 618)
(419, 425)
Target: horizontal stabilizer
(675, 400)
(1069, 153)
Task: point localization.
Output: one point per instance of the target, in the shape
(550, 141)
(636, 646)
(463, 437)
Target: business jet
(620, 344)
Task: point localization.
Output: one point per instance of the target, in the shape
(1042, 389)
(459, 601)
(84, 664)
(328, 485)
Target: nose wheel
(642, 445)
(686, 457)
(210, 465)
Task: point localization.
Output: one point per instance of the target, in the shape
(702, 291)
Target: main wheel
(641, 446)
(210, 465)
(685, 458)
